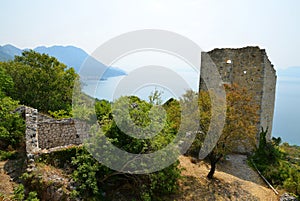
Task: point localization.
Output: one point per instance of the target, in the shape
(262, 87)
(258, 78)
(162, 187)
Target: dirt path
(6, 185)
(234, 181)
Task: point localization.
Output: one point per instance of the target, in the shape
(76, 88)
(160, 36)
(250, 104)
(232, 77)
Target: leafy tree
(240, 123)
(11, 124)
(41, 81)
(138, 118)
(92, 179)
(102, 108)
(87, 174)
(135, 116)
(6, 83)
(172, 107)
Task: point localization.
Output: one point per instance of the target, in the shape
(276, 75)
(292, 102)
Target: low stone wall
(53, 133)
(44, 132)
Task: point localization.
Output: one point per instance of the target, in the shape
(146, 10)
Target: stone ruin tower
(248, 67)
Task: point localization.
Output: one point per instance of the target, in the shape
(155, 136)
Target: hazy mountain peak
(70, 55)
(8, 52)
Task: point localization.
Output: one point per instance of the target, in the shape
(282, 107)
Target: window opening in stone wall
(226, 71)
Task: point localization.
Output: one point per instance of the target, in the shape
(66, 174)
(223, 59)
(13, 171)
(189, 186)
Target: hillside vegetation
(279, 163)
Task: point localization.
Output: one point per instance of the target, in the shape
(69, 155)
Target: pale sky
(270, 24)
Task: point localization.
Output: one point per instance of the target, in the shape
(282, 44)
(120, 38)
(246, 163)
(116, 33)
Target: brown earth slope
(6, 183)
(234, 180)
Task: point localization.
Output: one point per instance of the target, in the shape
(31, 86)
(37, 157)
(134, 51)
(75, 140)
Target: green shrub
(12, 126)
(87, 174)
(19, 193)
(32, 196)
(93, 178)
(276, 165)
(60, 114)
(165, 181)
(5, 155)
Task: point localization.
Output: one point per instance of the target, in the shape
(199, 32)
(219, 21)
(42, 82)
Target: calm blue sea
(286, 123)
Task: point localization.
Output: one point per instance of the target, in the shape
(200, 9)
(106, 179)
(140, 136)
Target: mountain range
(71, 56)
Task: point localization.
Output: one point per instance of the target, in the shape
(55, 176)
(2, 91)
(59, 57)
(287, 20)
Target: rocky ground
(10, 170)
(6, 183)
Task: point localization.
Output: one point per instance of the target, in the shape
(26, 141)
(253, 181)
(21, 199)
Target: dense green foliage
(139, 117)
(19, 194)
(267, 153)
(5, 155)
(11, 124)
(87, 174)
(93, 177)
(7, 83)
(279, 164)
(35, 80)
(102, 109)
(41, 81)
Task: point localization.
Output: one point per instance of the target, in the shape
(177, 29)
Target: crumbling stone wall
(53, 133)
(44, 132)
(249, 67)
